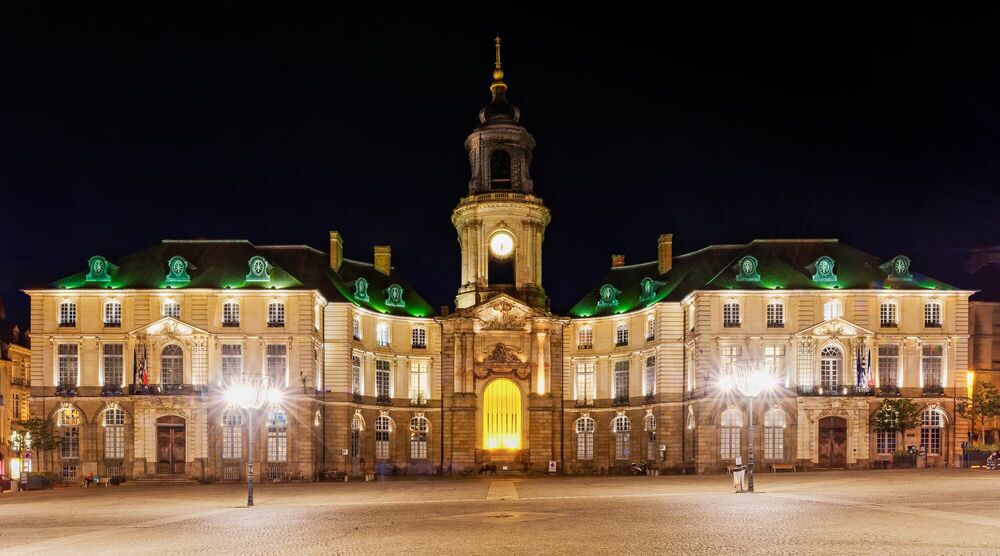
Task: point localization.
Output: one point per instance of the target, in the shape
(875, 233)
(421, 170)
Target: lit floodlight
(502, 244)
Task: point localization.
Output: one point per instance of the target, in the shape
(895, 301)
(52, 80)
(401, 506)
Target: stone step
(164, 479)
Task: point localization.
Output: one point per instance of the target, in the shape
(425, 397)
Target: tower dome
(499, 111)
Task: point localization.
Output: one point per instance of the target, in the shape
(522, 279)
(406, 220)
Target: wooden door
(832, 445)
(170, 445)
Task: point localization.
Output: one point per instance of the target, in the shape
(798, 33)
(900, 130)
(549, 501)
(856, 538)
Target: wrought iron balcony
(66, 390)
(620, 400)
(17, 381)
(112, 390)
(383, 400)
(888, 390)
(356, 398)
(839, 390)
(650, 398)
(933, 390)
(418, 402)
(584, 403)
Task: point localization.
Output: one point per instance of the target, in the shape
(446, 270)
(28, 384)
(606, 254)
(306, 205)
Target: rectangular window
(275, 314)
(585, 385)
(69, 448)
(419, 335)
(356, 328)
(232, 361)
(829, 373)
(419, 383)
(650, 329)
(621, 335)
(621, 381)
(775, 315)
(67, 314)
(355, 444)
(774, 442)
(114, 441)
(774, 362)
(932, 315)
(930, 440)
(356, 375)
(585, 446)
(69, 364)
(382, 334)
(731, 315)
(622, 450)
(232, 435)
(729, 442)
(888, 315)
(383, 380)
(585, 338)
(649, 384)
(230, 313)
(277, 365)
(17, 407)
(69, 472)
(729, 356)
(172, 309)
(277, 437)
(113, 364)
(885, 442)
(931, 360)
(888, 365)
(112, 314)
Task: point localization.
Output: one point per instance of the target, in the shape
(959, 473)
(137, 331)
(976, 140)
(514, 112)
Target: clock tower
(500, 223)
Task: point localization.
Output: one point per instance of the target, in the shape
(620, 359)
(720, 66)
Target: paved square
(885, 512)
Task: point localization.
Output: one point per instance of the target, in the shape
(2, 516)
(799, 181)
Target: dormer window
(932, 314)
(500, 170)
(888, 314)
(419, 337)
(67, 313)
(112, 314)
(833, 310)
(231, 313)
(585, 338)
(275, 314)
(171, 309)
(621, 334)
(382, 334)
(775, 314)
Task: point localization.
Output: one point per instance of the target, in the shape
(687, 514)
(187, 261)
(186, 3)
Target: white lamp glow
(501, 244)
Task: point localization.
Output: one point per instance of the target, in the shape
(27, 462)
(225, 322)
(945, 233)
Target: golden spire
(497, 70)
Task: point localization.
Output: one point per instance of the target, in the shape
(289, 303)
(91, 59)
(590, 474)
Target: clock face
(501, 244)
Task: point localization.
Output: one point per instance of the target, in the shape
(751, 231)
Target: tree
(981, 407)
(896, 415)
(43, 438)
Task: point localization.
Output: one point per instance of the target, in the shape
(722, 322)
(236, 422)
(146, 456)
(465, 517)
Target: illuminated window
(620, 383)
(419, 427)
(232, 362)
(931, 362)
(383, 381)
(277, 436)
(275, 314)
(729, 354)
(650, 430)
(621, 334)
(620, 427)
(419, 337)
(17, 406)
(585, 439)
(729, 434)
(885, 442)
(68, 421)
(67, 313)
(932, 314)
(230, 313)
(888, 365)
(774, 434)
(114, 434)
(651, 328)
(356, 375)
(931, 423)
(112, 314)
(774, 361)
(775, 314)
(502, 415)
(888, 315)
(585, 384)
(649, 384)
(171, 309)
(113, 364)
(382, 428)
(731, 314)
(232, 435)
(830, 361)
(277, 365)
(382, 334)
(69, 364)
(356, 327)
(172, 365)
(419, 383)
(585, 338)
(833, 310)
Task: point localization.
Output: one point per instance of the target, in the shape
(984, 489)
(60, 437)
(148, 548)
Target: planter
(902, 462)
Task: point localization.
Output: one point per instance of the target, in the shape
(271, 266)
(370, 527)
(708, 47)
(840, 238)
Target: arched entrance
(832, 443)
(170, 445)
(502, 415)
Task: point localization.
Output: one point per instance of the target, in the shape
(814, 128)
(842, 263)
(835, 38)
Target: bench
(783, 467)
(106, 481)
(335, 475)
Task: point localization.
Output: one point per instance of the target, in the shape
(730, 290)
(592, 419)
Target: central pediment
(835, 328)
(169, 326)
(501, 312)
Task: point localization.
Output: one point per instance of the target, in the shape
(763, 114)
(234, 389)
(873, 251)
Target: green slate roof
(782, 264)
(224, 264)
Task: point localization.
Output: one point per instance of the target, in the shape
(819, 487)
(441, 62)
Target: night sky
(120, 127)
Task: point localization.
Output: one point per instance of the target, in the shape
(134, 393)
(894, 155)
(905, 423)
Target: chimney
(445, 310)
(665, 252)
(617, 260)
(383, 259)
(336, 250)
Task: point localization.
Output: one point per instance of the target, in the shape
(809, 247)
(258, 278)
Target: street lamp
(20, 441)
(750, 379)
(251, 393)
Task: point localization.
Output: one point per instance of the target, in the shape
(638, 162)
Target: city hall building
(130, 357)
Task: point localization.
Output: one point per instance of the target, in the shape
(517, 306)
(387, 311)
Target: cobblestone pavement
(885, 512)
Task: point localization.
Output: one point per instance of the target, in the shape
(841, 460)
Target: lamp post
(251, 393)
(750, 379)
(20, 441)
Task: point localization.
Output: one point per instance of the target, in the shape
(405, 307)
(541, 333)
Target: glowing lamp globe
(501, 244)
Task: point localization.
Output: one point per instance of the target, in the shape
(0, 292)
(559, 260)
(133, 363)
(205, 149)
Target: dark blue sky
(120, 126)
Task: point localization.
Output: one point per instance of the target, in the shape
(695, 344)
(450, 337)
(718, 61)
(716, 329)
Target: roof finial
(497, 69)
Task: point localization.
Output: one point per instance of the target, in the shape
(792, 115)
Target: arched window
(357, 425)
(231, 313)
(356, 327)
(172, 309)
(621, 334)
(277, 436)
(649, 424)
(383, 426)
(114, 433)
(275, 314)
(68, 421)
(932, 314)
(232, 435)
(172, 365)
(774, 434)
(500, 169)
(585, 338)
(419, 427)
(382, 334)
(584, 439)
(830, 362)
(112, 314)
(67, 313)
(931, 422)
(502, 415)
(731, 314)
(888, 314)
(775, 314)
(729, 434)
(620, 428)
(833, 310)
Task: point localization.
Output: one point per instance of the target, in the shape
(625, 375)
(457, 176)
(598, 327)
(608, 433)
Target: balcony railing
(356, 398)
(17, 381)
(620, 400)
(418, 402)
(839, 390)
(66, 390)
(112, 390)
(933, 390)
(166, 389)
(888, 390)
(584, 403)
(383, 400)
(650, 398)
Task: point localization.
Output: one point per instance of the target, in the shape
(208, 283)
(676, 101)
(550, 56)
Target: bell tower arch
(500, 223)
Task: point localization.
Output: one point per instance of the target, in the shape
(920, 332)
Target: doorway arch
(502, 415)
